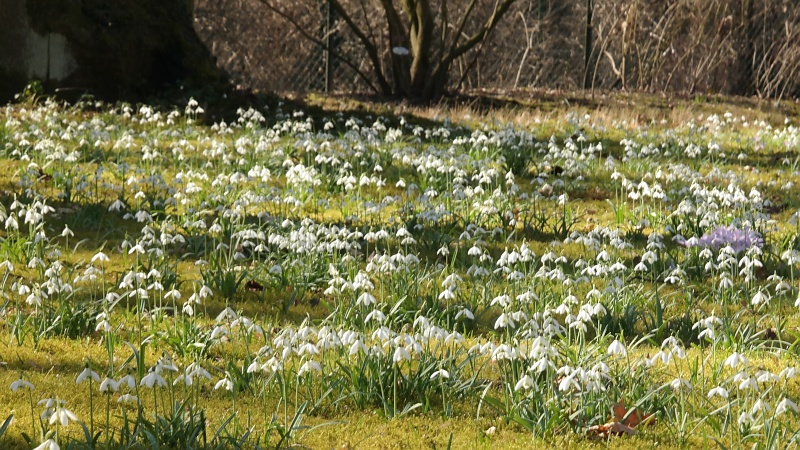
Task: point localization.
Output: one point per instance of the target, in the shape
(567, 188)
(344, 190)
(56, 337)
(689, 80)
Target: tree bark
(421, 72)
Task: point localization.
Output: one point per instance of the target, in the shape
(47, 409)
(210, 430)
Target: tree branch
(369, 46)
(318, 42)
(460, 27)
(397, 38)
(492, 22)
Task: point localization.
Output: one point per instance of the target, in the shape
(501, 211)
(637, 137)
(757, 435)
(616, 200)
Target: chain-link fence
(741, 47)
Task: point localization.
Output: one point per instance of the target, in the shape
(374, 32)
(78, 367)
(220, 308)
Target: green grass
(352, 401)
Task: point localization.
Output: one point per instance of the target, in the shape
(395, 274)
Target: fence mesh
(740, 47)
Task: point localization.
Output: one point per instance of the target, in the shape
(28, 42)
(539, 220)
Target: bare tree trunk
(587, 45)
(749, 29)
(420, 62)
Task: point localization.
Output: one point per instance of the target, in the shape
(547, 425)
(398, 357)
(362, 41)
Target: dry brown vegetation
(738, 47)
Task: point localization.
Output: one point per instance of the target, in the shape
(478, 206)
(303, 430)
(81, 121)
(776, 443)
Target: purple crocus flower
(721, 236)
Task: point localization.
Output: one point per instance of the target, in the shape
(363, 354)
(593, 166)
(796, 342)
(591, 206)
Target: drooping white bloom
(224, 382)
(526, 383)
(680, 383)
(734, 360)
(153, 379)
(760, 405)
(441, 373)
(785, 405)
(127, 380)
(17, 385)
(63, 416)
(718, 391)
(100, 256)
(49, 444)
(308, 366)
(108, 385)
(128, 398)
(87, 374)
(617, 348)
(400, 355)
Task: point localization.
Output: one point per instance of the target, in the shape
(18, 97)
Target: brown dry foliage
(739, 47)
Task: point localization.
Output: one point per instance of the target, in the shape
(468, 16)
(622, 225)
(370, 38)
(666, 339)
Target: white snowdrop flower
(447, 294)
(466, 313)
(734, 360)
(309, 366)
(227, 314)
(224, 383)
(598, 309)
(116, 206)
(366, 299)
(127, 398)
(505, 320)
(206, 292)
(127, 380)
(760, 405)
(708, 333)
(647, 363)
(376, 315)
(100, 256)
(49, 444)
(785, 405)
(185, 378)
(356, 347)
(526, 383)
(87, 374)
(502, 300)
(680, 383)
(746, 418)
(718, 391)
(748, 383)
(108, 385)
(19, 384)
(616, 348)
(441, 373)
(400, 355)
(788, 373)
(765, 376)
(63, 416)
(568, 383)
(67, 232)
(761, 297)
(7, 265)
(153, 379)
(136, 249)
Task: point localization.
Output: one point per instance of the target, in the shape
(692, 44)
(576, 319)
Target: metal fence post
(328, 42)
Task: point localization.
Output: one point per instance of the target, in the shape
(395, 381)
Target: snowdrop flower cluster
(310, 264)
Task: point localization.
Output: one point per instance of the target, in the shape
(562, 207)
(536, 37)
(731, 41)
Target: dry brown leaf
(609, 429)
(634, 417)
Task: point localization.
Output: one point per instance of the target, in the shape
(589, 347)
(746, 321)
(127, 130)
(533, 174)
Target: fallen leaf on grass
(609, 429)
(631, 417)
(623, 423)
